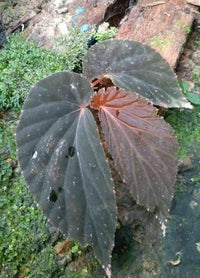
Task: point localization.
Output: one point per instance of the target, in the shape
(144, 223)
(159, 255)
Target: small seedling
(61, 154)
(193, 97)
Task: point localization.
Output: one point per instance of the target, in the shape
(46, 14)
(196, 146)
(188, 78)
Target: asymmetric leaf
(64, 163)
(142, 145)
(136, 68)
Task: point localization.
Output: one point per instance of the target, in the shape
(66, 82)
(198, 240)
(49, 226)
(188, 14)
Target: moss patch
(22, 64)
(74, 47)
(159, 42)
(185, 27)
(186, 124)
(45, 265)
(23, 231)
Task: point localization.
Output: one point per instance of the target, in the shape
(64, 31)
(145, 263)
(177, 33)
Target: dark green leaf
(64, 163)
(136, 68)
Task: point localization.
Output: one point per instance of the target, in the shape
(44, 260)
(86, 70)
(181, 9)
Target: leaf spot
(72, 86)
(34, 154)
(60, 189)
(53, 196)
(71, 151)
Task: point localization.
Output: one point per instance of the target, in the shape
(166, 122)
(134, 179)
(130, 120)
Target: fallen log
(164, 25)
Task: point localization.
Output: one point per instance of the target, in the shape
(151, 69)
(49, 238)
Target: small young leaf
(184, 86)
(135, 67)
(64, 163)
(193, 98)
(142, 145)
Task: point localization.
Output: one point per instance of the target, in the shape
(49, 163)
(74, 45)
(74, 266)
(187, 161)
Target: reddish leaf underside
(142, 145)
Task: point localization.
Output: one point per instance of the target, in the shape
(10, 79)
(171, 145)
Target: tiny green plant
(192, 96)
(61, 154)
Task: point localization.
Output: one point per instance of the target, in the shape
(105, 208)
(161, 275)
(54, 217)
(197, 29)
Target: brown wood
(194, 2)
(164, 25)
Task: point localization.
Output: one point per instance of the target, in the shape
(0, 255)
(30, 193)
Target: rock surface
(59, 16)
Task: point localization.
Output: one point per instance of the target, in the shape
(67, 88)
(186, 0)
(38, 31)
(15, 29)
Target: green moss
(105, 32)
(196, 70)
(196, 179)
(186, 124)
(45, 265)
(78, 274)
(84, 266)
(74, 47)
(7, 152)
(23, 231)
(75, 251)
(22, 64)
(185, 27)
(159, 42)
